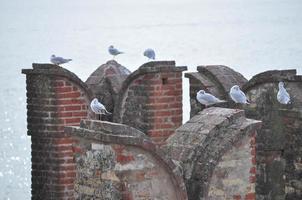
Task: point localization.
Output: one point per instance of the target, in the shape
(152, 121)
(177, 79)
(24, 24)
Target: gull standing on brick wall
(207, 98)
(149, 53)
(98, 108)
(58, 60)
(282, 95)
(114, 51)
(237, 95)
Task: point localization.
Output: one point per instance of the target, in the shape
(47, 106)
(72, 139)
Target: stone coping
(114, 133)
(55, 70)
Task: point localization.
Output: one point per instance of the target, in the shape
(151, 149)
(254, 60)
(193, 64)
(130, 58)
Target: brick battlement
(151, 100)
(142, 151)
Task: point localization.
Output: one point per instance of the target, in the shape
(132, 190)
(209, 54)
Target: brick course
(56, 98)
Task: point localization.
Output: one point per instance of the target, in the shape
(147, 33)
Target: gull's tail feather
(107, 113)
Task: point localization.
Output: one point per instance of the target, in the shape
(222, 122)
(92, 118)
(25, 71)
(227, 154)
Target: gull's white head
(281, 84)
(201, 92)
(236, 87)
(95, 100)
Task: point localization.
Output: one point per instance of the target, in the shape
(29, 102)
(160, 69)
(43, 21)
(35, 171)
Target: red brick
(237, 197)
(63, 89)
(68, 95)
(253, 170)
(164, 99)
(58, 84)
(123, 159)
(70, 108)
(253, 151)
(173, 93)
(73, 120)
(140, 176)
(252, 179)
(254, 160)
(64, 114)
(164, 113)
(63, 141)
(77, 149)
(70, 101)
(79, 114)
(67, 83)
(250, 196)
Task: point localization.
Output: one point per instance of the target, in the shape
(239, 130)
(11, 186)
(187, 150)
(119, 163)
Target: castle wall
(151, 100)
(105, 83)
(209, 148)
(55, 98)
(114, 161)
(278, 142)
(215, 79)
(234, 176)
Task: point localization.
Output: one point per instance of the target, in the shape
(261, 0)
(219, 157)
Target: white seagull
(282, 95)
(98, 108)
(207, 98)
(58, 60)
(237, 95)
(114, 51)
(149, 53)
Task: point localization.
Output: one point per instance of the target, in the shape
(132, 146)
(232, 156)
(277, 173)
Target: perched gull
(98, 108)
(237, 95)
(149, 53)
(113, 51)
(58, 60)
(282, 96)
(207, 98)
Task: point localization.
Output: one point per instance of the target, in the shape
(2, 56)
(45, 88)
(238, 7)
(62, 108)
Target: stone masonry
(106, 82)
(216, 149)
(279, 140)
(115, 161)
(55, 98)
(147, 153)
(151, 100)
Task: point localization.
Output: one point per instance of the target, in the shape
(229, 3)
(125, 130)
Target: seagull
(114, 51)
(149, 53)
(237, 95)
(207, 98)
(58, 60)
(98, 108)
(282, 95)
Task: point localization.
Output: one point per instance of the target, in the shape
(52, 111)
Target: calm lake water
(249, 36)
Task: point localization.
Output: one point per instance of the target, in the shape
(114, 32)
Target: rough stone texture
(279, 171)
(202, 145)
(279, 140)
(55, 98)
(235, 175)
(216, 79)
(114, 161)
(105, 82)
(151, 100)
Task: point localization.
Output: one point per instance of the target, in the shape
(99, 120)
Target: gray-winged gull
(114, 51)
(282, 95)
(149, 53)
(237, 95)
(207, 98)
(58, 60)
(98, 108)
